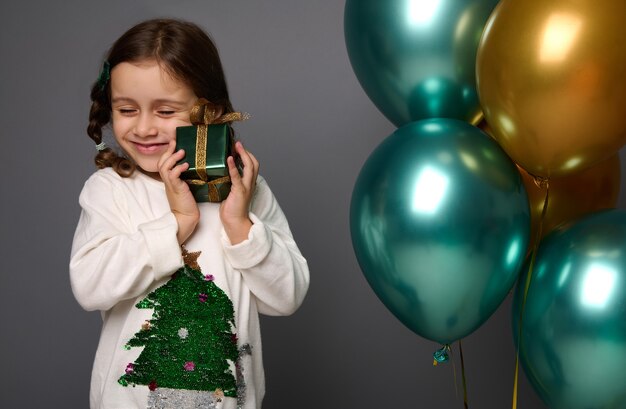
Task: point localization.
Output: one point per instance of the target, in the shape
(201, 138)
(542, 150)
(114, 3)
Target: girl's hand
(234, 210)
(181, 201)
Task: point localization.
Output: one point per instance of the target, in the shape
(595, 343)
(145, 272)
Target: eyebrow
(160, 101)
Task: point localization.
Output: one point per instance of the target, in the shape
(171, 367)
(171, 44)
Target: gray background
(312, 129)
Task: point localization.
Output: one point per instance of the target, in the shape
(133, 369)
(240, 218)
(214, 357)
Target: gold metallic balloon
(574, 195)
(551, 82)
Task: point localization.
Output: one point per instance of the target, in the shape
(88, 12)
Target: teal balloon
(439, 220)
(573, 343)
(416, 59)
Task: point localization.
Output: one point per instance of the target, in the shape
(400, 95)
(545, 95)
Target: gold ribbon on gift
(212, 185)
(205, 113)
(202, 115)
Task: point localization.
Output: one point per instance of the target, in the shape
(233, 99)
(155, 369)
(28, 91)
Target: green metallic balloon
(440, 223)
(416, 59)
(573, 347)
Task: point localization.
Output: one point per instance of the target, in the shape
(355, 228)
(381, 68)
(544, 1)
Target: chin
(147, 167)
(152, 174)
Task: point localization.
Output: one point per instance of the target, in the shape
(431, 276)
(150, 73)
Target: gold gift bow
(202, 115)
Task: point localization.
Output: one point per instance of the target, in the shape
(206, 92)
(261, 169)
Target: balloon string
(543, 182)
(443, 355)
(463, 375)
(456, 382)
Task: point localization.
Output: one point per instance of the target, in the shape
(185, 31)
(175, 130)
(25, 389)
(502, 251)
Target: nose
(145, 125)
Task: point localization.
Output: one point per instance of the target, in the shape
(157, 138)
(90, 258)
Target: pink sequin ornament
(189, 366)
(203, 297)
(130, 368)
(209, 277)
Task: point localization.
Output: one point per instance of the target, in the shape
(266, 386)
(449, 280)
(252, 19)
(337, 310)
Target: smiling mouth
(149, 147)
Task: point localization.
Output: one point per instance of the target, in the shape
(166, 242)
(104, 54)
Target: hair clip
(101, 146)
(105, 75)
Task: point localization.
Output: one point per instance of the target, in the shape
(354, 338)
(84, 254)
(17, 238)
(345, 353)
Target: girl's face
(148, 104)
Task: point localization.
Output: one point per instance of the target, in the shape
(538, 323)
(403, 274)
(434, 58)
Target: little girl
(179, 284)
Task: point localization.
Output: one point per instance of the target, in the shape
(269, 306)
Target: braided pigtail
(99, 117)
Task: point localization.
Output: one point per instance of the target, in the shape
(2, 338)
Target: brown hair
(182, 49)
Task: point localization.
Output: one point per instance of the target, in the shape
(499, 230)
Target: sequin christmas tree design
(189, 344)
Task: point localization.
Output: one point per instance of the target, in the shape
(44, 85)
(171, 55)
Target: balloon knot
(540, 181)
(441, 355)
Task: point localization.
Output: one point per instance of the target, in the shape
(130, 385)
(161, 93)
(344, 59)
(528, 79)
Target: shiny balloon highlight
(416, 59)
(440, 221)
(573, 343)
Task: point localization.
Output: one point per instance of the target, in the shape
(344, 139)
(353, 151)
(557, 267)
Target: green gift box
(206, 149)
(207, 145)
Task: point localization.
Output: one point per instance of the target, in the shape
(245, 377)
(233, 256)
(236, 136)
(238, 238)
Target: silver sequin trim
(165, 398)
(245, 349)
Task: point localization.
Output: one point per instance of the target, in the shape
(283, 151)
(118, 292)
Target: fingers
(255, 165)
(233, 172)
(168, 169)
(168, 152)
(250, 166)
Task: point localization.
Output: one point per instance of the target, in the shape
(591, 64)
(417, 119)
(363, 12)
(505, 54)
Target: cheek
(119, 127)
(169, 129)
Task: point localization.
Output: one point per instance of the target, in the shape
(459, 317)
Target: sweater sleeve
(269, 260)
(113, 258)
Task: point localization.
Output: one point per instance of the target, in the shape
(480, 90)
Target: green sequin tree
(189, 343)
